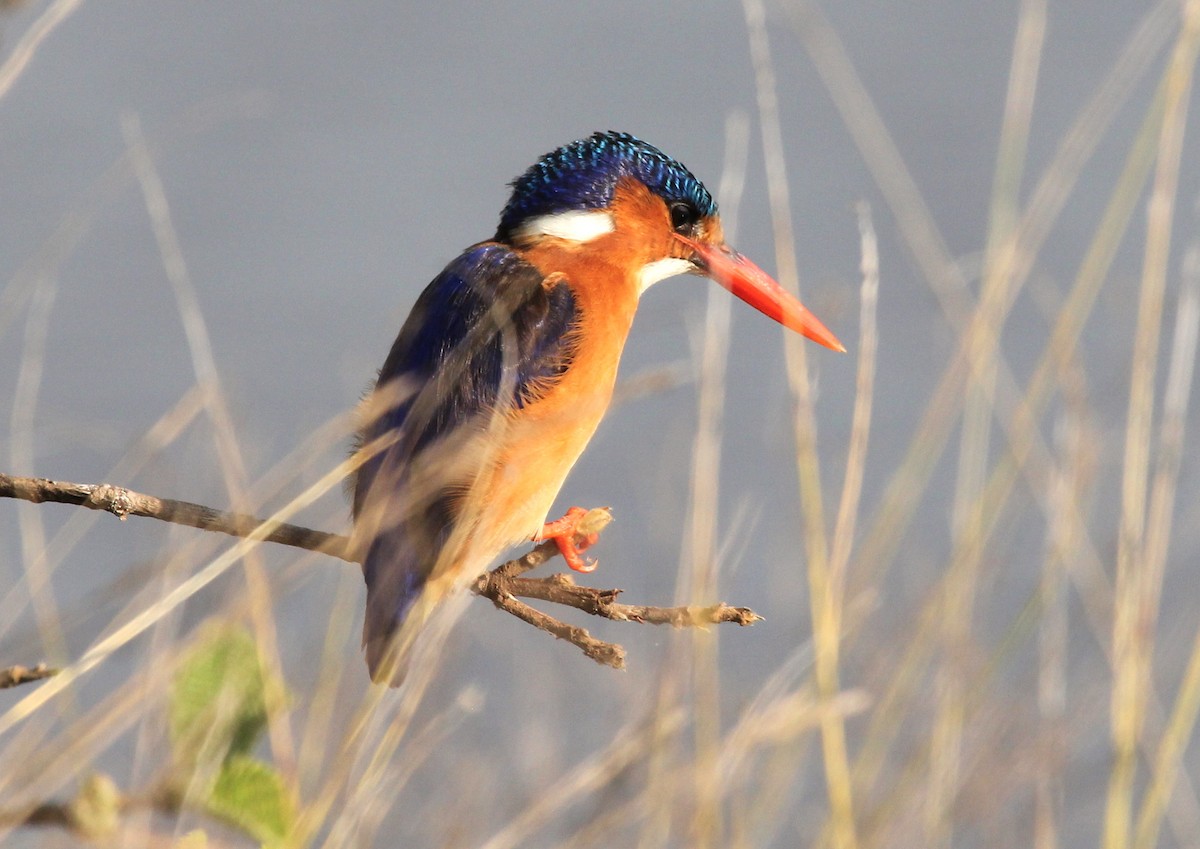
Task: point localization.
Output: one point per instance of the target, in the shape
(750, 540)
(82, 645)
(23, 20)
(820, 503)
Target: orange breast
(544, 439)
(531, 451)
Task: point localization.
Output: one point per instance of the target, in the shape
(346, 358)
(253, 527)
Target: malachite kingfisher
(506, 365)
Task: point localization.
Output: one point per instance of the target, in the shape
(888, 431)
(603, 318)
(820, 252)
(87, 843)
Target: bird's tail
(395, 575)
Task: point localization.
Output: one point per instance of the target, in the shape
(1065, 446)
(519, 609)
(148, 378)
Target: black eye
(683, 215)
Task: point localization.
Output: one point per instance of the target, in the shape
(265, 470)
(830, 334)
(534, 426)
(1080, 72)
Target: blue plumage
(584, 174)
(505, 367)
(484, 321)
(486, 335)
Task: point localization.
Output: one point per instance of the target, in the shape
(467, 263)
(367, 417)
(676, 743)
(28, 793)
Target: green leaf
(218, 711)
(252, 795)
(217, 699)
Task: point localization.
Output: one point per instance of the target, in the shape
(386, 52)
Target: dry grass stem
(1130, 653)
(986, 641)
(825, 592)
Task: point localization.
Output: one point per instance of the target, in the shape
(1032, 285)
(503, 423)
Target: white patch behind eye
(574, 225)
(661, 269)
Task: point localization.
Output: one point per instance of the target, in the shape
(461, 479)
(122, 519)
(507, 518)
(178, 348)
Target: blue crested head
(584, 174)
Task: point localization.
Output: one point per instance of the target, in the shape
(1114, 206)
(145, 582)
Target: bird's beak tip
(758, 289)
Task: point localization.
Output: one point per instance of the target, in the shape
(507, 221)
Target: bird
(506, 364)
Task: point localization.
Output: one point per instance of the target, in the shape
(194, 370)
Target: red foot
(563, 533)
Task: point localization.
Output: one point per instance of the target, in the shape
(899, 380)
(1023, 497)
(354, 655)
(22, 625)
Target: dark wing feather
(487, 334)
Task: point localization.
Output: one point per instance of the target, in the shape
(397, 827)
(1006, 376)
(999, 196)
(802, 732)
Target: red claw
(570, 543)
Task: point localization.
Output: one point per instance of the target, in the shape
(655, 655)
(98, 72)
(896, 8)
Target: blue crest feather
(584, 174)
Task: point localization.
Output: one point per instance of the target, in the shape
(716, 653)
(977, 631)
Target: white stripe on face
(661, 269)
(575, 225)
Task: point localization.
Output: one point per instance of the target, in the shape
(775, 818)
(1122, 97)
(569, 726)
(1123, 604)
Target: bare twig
(123, 503)
(15, 675)
(94, 814)
(561, 589)
(606, 654)
(502, 585)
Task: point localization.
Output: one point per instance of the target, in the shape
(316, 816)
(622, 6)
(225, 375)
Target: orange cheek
(713, 233)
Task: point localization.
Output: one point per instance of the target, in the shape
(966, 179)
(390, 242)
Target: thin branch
(18, 674)
(561, 589)
(94, 814)
(124, 503)
(502, 585)
(606, 654)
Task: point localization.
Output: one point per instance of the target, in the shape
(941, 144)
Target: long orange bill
(754, 286)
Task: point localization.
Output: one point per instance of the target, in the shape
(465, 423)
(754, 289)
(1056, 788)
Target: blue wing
(488, 333)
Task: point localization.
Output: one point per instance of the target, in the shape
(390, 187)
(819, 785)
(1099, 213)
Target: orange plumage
(504, 370)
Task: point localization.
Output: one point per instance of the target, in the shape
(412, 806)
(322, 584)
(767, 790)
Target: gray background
(323, 161)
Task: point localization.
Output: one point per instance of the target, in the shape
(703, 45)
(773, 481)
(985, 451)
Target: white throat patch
(574, 225)
(661, 269)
